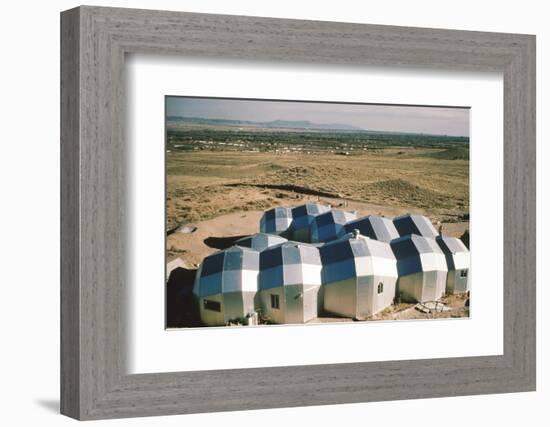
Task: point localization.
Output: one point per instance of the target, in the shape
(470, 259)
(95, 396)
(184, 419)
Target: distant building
(359, 276)
(414, 224)
(458, 264)
(226, 285)
(422, 268)
(290, 278)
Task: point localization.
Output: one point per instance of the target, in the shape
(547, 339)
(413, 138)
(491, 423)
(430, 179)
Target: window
(275, 301)
(463, 273)
(380, 287)
(212, 305)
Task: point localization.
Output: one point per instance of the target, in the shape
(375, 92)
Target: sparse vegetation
(222, 179)
(202, 185)
(218, 170)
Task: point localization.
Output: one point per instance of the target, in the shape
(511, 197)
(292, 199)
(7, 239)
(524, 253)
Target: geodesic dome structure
(330, 225)
(375, 227)
(260, 241)
(276, 221)
(457, 256)
(422, 268)
(226, 285)
(414, 224)
(302, 216)
(290, 278)
(359, 276)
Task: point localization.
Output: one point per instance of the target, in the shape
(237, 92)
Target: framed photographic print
(263, 202)
(299, 212)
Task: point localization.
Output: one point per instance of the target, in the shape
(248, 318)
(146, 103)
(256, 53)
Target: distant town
(286, 137)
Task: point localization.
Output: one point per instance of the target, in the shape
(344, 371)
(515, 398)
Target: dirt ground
(402, 311)
(224, 194)
(215, 198)
(221, 232)
(456, 303)
(212, 235)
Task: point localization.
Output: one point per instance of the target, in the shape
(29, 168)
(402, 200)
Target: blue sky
(433, 120)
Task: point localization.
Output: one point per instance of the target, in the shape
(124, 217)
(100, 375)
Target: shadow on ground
(51, 405)
(222, 242)
(181, 310)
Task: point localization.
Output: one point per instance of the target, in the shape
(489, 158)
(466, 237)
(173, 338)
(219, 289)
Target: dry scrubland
(225, 193)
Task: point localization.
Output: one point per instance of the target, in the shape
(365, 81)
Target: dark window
(212, 305)
(463, 273)
(380, 287)
(274, 301)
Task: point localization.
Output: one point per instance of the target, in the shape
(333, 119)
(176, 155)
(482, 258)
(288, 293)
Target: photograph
(301, 212)
(278, 212)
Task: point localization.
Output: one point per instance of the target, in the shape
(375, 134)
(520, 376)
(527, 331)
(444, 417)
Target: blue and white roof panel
(276, 221)
(375, 227)
(456, 253)
(330, 225)
(356, 257)
(414, 224)
(290, 263)
(232, 270)
(304, 214)
(260, 241)
(416, 254)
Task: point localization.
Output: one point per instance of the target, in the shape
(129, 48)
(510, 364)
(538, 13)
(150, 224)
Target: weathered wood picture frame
(94, 382)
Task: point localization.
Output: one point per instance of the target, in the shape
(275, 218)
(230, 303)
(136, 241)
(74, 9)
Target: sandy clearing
(194, 247)
(217, 233)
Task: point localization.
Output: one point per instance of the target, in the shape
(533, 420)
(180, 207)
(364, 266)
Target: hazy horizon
(452, 121)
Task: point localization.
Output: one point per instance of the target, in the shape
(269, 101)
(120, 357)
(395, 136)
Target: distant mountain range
(275, 124)
(300, 125)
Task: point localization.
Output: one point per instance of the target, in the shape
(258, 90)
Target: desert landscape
(221, 178)
(221, 193)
